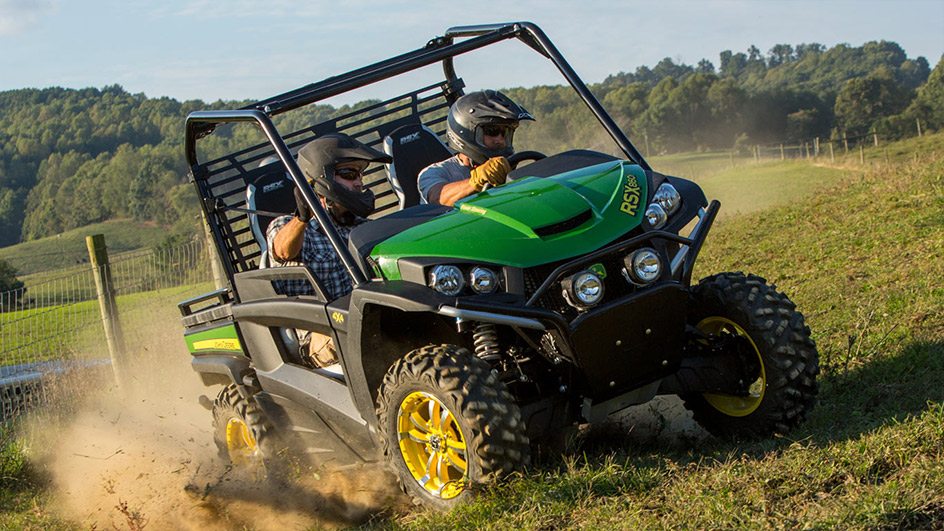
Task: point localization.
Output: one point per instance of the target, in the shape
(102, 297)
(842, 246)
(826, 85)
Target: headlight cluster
(450, 280)
(665, 202)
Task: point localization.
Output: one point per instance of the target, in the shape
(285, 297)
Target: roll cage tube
(530, 34)
(440, 49)
(196, 118)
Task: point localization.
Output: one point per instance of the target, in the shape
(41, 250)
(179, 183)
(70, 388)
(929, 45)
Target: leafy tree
(862, 101)
(11, 289)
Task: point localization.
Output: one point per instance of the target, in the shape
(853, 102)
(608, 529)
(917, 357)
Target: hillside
(68, 248)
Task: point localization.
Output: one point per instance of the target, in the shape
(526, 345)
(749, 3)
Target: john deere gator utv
(474, 332)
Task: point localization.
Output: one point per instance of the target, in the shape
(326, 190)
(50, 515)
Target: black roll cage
(440, 49)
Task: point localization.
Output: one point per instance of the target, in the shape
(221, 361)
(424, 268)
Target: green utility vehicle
(474, 333)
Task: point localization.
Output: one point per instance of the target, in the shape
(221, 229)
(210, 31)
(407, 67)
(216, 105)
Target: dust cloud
(145, 457)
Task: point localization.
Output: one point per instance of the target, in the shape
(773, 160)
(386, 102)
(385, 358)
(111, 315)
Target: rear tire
(785, 389)
(243, 436)
(460, 426)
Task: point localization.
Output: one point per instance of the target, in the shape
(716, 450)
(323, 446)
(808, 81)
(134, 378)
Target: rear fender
(222, 369)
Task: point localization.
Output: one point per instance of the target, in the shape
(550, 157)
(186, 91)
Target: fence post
(213, 256)
(816, 147)
(832, 157)
(98, 256)
(918, 122)
(861, 155)
(782, 157)
(845, 142)
(875, 138)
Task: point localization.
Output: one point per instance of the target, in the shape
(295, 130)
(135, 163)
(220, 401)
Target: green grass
(68, 249)
(694, 165)
(75, 331)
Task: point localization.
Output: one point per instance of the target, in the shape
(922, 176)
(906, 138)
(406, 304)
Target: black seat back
(413, 147)
(272, 192)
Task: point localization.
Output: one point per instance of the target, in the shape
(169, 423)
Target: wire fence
(52, 338)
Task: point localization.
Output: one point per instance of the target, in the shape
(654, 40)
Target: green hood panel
(502, 225)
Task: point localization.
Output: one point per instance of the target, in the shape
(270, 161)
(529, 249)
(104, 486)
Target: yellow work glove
(493, 171)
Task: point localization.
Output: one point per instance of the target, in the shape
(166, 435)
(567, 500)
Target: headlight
(483, 280)
(643, 266)
(668, 198)
(446, 279)
(583, 289)
(656, 216)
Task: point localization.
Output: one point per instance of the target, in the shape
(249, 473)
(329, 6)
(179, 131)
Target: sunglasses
(349, 174)
(495, 130)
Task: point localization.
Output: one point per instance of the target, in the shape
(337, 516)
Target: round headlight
(668, 198)
(583, 289)
(446, 279)
(483, 280)
(656, 216)
(644, 266)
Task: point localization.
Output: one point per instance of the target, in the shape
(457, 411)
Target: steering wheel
(521, 156)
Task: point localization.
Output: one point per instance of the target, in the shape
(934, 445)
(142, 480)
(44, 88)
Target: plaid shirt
(318, 254)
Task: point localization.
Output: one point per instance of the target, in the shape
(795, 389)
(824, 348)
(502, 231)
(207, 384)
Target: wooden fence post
(845, 142)
(215, 267)
(832, 158)
(98, 256)
(875, 138)
(918, 122)
(861, 155)
(782, 157)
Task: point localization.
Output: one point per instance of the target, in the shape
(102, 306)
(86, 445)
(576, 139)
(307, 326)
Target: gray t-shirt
(445, 172)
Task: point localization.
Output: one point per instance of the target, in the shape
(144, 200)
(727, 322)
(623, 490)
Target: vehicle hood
(529, 222)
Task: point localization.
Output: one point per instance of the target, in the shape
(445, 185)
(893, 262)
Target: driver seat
(412, 147)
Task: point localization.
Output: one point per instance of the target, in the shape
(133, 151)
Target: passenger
(480, 127)
(334, 165)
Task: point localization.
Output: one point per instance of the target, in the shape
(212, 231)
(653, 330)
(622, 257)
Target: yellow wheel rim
(240, 443)
(735, 406)
(432, 445)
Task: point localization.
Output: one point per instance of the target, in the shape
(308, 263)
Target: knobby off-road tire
(244, 437)
(448, 424)
(785, 390)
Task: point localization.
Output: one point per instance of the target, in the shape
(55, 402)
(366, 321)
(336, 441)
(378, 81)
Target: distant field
(762, 185)
(68, 249)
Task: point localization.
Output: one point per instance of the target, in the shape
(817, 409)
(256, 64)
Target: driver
(334, 166)
(481, 126)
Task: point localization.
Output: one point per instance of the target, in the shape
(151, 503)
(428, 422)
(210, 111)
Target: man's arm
(287, 243)
(447, 194)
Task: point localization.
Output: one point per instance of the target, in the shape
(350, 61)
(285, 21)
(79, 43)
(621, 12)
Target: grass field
(861, 256)
(68, 249)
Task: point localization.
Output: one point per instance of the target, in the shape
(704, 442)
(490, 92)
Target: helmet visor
(496, 138)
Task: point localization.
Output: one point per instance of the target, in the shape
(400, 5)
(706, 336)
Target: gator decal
(221, 339)
(631, 195)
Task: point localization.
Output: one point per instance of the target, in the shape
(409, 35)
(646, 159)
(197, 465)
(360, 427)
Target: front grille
(615, 284)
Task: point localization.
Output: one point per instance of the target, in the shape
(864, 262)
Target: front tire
(448, 424)
(784, 389)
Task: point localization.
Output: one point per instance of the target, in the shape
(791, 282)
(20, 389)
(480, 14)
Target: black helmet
(470, 113)
(317, 160)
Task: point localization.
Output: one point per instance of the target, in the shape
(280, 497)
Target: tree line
(69, 157)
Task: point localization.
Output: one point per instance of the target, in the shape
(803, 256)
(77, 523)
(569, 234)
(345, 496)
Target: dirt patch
(145, 458)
